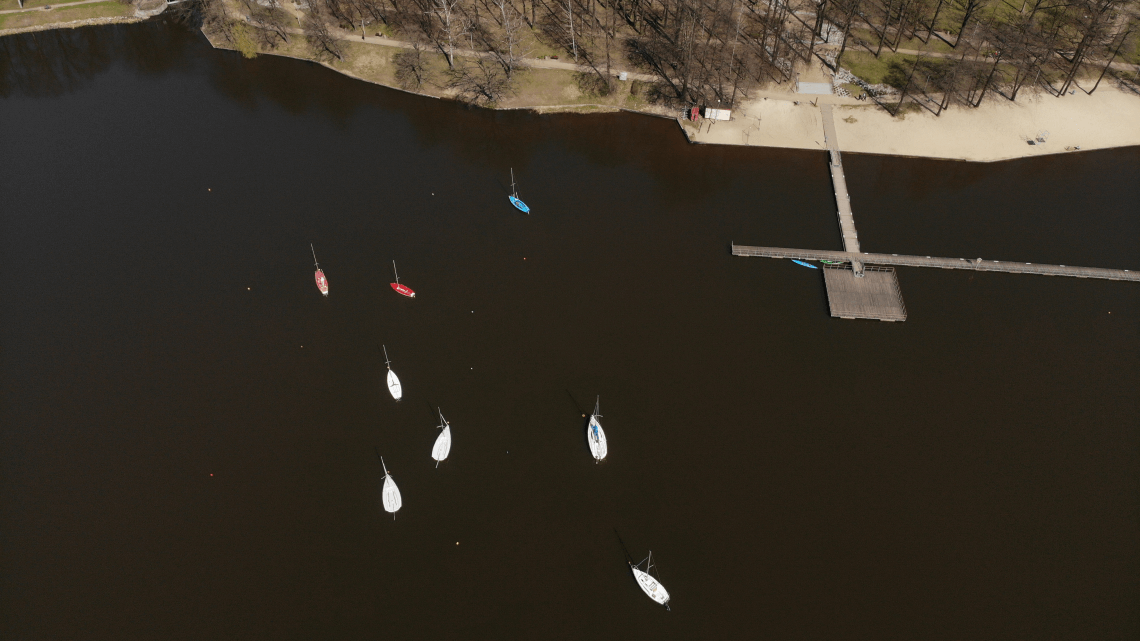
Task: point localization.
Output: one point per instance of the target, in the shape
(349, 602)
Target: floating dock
(875, 295)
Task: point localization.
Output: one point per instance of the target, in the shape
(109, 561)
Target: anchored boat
(442, 446)
(394, 387)
(520, 205)
(319, 275)
(595, 436)
(390, 494)
(650, 585)
(800, 262)
(401, 289)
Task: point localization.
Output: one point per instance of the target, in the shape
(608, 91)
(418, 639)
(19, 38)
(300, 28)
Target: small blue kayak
(520, 205)
(800, 262)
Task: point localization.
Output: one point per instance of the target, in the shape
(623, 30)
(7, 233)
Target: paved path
(52, 6)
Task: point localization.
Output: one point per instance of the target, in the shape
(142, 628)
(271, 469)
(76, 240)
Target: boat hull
(403, 290)
(394, 387)
(519, 205)
(442, 445)
(651, 587)
(391, 496)
(800, 262)
(322, 282)
(596, 437)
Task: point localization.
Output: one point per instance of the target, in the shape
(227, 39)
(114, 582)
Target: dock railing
(976, 264)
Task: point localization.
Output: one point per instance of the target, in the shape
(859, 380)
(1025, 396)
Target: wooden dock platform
(874, 295)
(942, 263)
(863, 285)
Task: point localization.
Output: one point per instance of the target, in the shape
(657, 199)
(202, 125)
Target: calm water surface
(189, 428)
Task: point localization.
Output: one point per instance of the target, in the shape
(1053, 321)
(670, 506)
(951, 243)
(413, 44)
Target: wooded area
(935, 53)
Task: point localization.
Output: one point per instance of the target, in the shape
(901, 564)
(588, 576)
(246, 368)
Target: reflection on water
(53, 63)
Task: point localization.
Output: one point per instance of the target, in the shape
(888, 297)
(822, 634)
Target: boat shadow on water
(584, 426)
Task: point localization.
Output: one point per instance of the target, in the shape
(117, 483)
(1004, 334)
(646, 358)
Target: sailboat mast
(386, 361)
(514, 192)
(314, 256)
(396, 272)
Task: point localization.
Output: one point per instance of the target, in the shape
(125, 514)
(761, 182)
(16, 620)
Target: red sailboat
(401, 289)
(319, 275)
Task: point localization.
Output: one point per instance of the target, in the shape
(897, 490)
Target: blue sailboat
(520, 205)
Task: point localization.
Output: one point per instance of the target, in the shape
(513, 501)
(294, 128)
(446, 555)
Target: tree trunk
(886, 23)
(846, 31)
(1109, 63)
(993, 70)
(933, 21)
(907, 86)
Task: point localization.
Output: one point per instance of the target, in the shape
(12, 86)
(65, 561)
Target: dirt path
(935, 54)
(536, 63)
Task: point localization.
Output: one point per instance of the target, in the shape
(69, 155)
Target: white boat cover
(394, 386)
(392, 499)
(442, 445)
(596, 437)
(651, 586)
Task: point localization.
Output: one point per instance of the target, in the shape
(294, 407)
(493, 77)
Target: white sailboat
(650, 585)
(394, 386)
(442, 446)
(391, 494)
(596, 436)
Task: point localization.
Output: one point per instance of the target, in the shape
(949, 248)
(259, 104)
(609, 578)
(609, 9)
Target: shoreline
(999, 130)
(995, 132)
(73, 24)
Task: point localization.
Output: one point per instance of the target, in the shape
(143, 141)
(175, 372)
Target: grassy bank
(65, 14)
(531, 87)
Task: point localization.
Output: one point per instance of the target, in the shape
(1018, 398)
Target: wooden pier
(862, 285)
(839, 182)
(977, 264)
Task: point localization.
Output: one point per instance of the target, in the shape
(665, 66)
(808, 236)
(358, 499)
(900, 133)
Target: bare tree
(411, 67)
(320, 39)
(570, 18)
(270, 21)
(507, 49)
(453, 26)
(1108, 63)
(479, 81)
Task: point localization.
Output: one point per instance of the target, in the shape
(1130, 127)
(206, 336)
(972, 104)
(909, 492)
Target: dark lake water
(189, 427)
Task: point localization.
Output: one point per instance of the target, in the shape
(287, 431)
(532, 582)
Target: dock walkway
(942, 263)
(839, 181)
(863, 285)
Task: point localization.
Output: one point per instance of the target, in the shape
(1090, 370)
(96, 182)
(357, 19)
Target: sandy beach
(998, 130)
